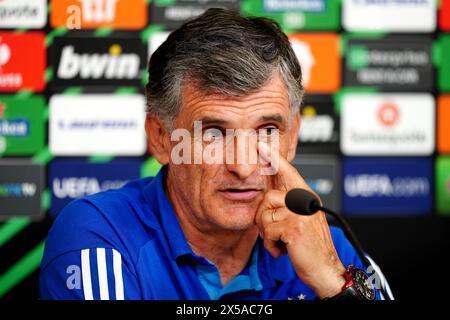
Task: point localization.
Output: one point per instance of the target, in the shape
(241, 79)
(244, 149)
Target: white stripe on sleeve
(86, 275)
(384, 282)
(102, 274)
(117, 263)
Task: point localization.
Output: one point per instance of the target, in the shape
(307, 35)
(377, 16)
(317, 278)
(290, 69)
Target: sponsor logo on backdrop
(304, 53)
(18, 190)
(387, 124)
(318, 55)
(98, 62)
(391, 64)
(443, 185)
(315, 128)
(94, 124)
(72, 179)
(23, 13)
(319, 131)
(99, 11)
(384, 186)
(16, 72)
(300, 5)
(173, 15)
(11, 78)
(443, 133)
(295, 15)
(444, 15)
(110, 65)
(21, 185)
(388, 114)
(381, 185)
(21, 125)
(5, 54)
(389, 15)
(89, 14)
(321, 172)
(14, 128)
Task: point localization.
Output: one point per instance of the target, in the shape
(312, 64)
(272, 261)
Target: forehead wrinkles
(195, 102)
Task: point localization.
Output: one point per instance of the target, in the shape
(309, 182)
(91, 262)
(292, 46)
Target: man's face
(225, 196)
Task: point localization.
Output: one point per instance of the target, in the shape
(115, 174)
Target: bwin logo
(111, 65)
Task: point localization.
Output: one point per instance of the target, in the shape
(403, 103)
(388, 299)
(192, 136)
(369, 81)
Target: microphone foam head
(301, 202)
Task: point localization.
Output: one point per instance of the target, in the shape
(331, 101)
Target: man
(205, 229)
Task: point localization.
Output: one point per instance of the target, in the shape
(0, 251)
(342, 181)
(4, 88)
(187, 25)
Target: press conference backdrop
(374, 137)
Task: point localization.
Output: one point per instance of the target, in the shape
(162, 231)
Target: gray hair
(221, 51)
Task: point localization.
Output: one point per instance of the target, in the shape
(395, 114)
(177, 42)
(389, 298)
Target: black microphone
(303, 202)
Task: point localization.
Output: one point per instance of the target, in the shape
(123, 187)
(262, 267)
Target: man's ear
(158, 138)
(292, 148)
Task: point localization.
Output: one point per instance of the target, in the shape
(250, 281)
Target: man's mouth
(241, 194)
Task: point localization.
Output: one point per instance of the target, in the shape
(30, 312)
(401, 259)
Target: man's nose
(241, 155)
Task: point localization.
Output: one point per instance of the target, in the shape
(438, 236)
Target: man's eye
(212, 134)
(268, 131)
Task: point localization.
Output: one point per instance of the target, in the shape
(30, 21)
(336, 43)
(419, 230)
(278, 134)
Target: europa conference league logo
(98, 61)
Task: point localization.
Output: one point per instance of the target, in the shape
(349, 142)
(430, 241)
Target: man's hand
(306, 239)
